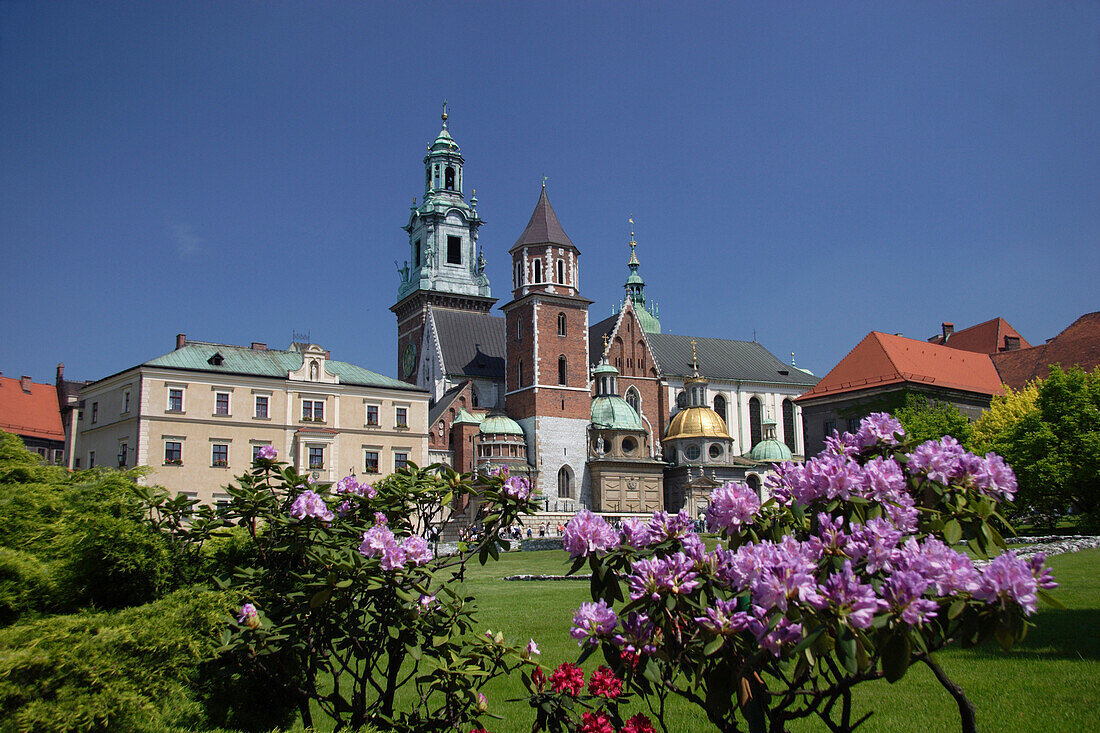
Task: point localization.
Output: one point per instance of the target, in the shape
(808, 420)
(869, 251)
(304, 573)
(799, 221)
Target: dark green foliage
(26, 585)
(113, 562)
(126, 670)
(926, 419)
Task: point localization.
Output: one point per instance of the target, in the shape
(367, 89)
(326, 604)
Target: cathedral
(617, 416)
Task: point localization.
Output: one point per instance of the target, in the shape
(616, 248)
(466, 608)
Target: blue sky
(808, 171)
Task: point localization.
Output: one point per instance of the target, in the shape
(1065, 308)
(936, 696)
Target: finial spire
(545, 178)
(444, 115)
(694, 360)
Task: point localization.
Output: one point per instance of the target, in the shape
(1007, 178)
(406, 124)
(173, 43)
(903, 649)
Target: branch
(966, 708)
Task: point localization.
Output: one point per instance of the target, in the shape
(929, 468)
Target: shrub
(26, 585)
(124, 670)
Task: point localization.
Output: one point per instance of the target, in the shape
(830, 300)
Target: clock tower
(445, 268)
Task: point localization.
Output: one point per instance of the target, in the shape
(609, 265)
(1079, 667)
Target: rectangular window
(95, 415)
(401, 417)
(219, 454)
(372, 414)
(370, 461)
(313, 410)
(261, 405)
(400, 460)
(316, 457)
(256, 450)
(173, 452)
(853, 425)
(454, 250)
(221, 403)
(122, 448)
(416, 254)
(91, 459)
(175, 400)
(126, 401)
(830, 426)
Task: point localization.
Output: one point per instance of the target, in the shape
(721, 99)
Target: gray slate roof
(195, 356)
(724, 359)
(595, 337)
(544, 227)
(472, 343)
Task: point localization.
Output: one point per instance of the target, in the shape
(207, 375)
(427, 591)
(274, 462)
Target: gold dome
(697, 422)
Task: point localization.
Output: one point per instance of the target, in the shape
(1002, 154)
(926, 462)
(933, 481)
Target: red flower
(567, 678)
(629, 658)
(539, 678)
(638, 724)
(604, 683)
(595, 723)
(478, 730)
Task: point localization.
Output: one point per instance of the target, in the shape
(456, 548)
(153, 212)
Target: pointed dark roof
(473, 344)
(544, 227)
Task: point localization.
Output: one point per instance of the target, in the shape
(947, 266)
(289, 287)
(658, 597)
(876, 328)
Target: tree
(929, 419)
(1053, 444)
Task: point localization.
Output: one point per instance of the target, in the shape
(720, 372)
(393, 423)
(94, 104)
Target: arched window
(633, 400)
(538, 271)
(473, 398)
(519, 274)
(449, 178)
(755, 434)
(565, 483)
(562, 370)
(519, 373)
(720, 407)
(788, 425)
(561, 272)
(754, 482)
(561, 324)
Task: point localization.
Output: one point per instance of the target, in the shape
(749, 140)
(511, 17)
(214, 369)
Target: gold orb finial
(444, 115)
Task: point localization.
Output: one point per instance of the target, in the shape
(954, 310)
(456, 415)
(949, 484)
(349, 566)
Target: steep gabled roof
(596, 333)
(1079, 344)
(472, 343)
(984, 338)
(544, 227)
(882, 359)
(200, 356)
(724, 359)
(34, 413)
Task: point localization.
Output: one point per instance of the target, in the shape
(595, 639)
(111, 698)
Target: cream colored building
(198, 414)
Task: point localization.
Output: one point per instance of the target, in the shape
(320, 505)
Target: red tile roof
(34, 413)
(984, 338)
(881, 359)
(1079, 344)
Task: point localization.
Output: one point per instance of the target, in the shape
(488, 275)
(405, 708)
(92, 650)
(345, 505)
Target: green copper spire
(635, 291)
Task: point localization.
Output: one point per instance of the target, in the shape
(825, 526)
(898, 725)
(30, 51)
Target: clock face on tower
(408, 360)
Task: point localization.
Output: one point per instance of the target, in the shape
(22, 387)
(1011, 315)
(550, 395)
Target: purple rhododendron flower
(417, 550)
(310, 504)
(940, 460)
(853, 600)
(904, 591)
(665, 526)
(588, 533)
(593, 621)
(517, 488)
(344, 509)
(394, 556)
(376, 540)
(786, 573)
(948, 571)
(636, 533)
(845, 445)
(878, 428)
(637, 634)
(724, 619)
(1011, 578)
(874, 542)
(784, 633)
(656, 576)
(731, 506)
(1044, 576)
(267, 452)
(249, 616)
(993, 477)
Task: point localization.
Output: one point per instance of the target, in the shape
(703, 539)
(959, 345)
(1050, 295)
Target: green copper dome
(500, 425)
(444, 141)
(771, 451)
(605, 368)
(610, 412)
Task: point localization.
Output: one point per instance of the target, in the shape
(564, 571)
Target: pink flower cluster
(517, 488)
(380, 541)
(249, 616)
(588, 534)
(731, 506)
(593, 621)
(348, 485)
(310, 504)
(945, 461)
(267, 452)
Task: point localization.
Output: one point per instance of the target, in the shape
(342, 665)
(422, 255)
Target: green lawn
(1050, 682)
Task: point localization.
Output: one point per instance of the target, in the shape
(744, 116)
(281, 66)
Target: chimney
(327, 354)
(1012, 343)
(257, 346)
(25, 384)
(947, 328)
(181, 340)
(60, 372)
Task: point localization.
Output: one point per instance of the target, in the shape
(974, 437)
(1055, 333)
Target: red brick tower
(546, 380)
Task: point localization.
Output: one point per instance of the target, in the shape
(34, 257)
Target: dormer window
(216, 359)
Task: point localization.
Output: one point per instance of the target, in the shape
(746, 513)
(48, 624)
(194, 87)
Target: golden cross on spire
(606, 339)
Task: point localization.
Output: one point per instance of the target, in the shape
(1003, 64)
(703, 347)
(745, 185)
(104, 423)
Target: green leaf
(952, 532)
(1050, 600)
(846, 652)
(320, 598)
(713, 646)
(895, 656)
